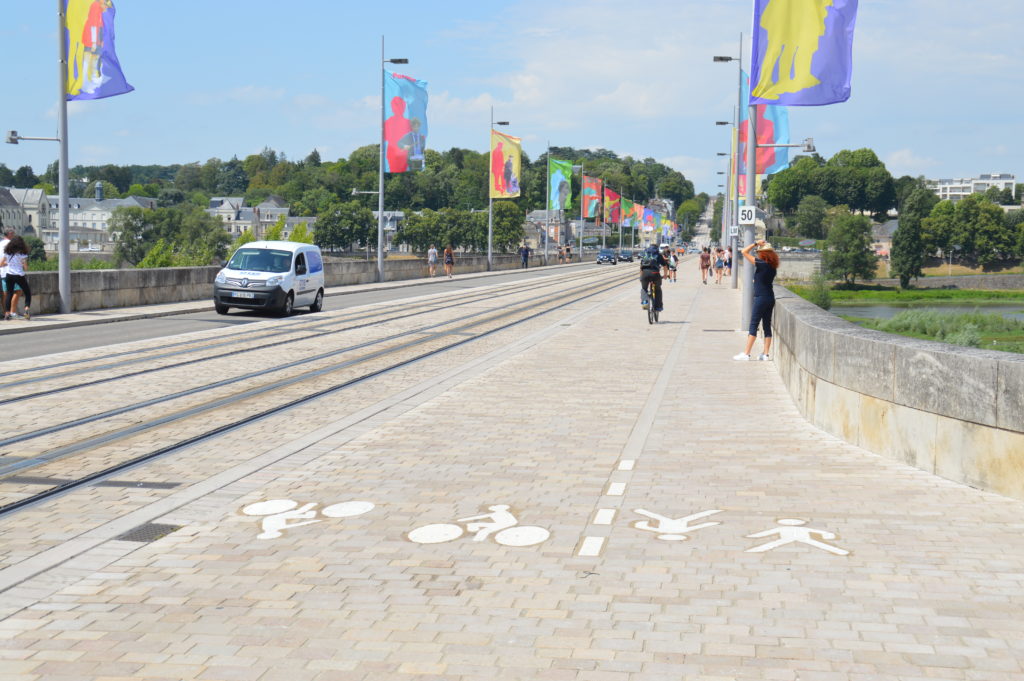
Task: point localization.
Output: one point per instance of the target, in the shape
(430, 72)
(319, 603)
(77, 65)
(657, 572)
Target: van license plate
(244, 294)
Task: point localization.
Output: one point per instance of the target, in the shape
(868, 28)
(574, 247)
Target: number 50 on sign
(747, 215)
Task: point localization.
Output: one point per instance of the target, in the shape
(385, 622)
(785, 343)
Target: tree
(188, 178)
(908, 245)
(130, 227)
(301, 234)
(342, 224)
(24, 178)
(938, 228)
(313, 159)
(170, 196)
(6, 176)
(810, 217)
(36, 249)
(276, 231)
(245, 237)
(848, 253)
(231, 178)
(508, 225)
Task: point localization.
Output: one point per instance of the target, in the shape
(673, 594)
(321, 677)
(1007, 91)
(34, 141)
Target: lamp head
(809, 145)
(722, 123)
(398, 61)
(12, 137)
(720, 59)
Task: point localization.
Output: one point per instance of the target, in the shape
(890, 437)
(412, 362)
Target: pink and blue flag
(772, 128)
(802, 53)
(405, 128)
(93, 69)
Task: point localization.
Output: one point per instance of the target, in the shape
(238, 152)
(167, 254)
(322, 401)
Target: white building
(954, 189)
(238, 217)
(13, 215)
(36, 207)
(89, 219)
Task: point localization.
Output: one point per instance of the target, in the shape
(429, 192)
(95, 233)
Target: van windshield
(261, 260)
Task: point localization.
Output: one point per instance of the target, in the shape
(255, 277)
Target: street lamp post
(490, 206)
(380, 176)
(736, 169)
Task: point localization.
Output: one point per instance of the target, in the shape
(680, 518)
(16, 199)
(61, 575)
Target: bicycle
(652, 312)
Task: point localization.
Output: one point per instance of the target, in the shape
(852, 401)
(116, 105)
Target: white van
(271, 275)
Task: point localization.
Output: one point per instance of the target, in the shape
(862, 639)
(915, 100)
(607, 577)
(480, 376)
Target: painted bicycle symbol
(500, 524)
(280, 514)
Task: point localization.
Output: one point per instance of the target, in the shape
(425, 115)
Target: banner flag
(405, 128)
(591, 196)
(648, 220)
(626, 209)
(802, 52)
(638, 214)
(93, 69)
(772, 128)
(559, 184)
(612, 210)
(506, 155)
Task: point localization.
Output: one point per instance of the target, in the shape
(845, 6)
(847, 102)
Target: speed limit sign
(747, 215)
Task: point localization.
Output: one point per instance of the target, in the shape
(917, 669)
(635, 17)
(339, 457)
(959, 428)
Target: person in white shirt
(15, 259)
(8, 233)
(432, 259)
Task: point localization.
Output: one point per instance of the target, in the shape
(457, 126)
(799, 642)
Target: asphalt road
(39, 343)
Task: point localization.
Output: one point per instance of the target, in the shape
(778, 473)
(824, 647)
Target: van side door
(303, 296)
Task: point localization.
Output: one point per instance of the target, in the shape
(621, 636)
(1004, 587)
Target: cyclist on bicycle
(651, 263)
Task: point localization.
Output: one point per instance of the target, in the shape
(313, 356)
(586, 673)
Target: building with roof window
(12, 214)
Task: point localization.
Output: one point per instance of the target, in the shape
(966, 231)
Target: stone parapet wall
(98, 289)
(955, 412)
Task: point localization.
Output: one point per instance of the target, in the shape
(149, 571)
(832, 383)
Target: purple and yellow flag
(93, 69)
(802, 53)
(591, 196)
(612, 210)
(506, 155)
(405, 128)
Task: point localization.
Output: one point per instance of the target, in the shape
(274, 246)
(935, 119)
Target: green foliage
(243, 238)
(819, 291)
(276, 231)
(24, 178)
(76, 264)
(163, 254)
(6, 176)
(47, 188)
(908, 244)
(189, 232)
(856, 179)
(301, 234)
(968, 329)
(849, 253)
(810, 217)
(36, 249)
(889, 294)
(716, 219)
(342, 224)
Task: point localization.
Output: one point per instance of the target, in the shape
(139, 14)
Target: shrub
(819, 291)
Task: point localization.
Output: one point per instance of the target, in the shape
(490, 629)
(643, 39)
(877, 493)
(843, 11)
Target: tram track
(520, 313)
(320, 330)
(293, 326)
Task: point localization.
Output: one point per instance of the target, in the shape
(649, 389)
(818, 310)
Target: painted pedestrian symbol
(672, 529)
(281, 512)
(791, 531)
(500, 524)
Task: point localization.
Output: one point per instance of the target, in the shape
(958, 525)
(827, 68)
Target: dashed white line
(627, 464)
(615, 489)
(604, 516)
(591, 546)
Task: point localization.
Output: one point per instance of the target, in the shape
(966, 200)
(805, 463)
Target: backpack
(648, 261)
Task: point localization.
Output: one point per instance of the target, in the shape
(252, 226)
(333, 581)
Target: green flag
(559, 184)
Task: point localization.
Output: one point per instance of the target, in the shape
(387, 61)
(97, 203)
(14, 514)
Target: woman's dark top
(764, 275)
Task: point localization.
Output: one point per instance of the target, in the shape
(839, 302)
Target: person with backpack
(651, 263)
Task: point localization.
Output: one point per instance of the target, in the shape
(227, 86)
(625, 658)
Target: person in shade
(765, 265)
(432, 260)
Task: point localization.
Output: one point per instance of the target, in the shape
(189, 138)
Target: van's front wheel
(221, 309)
(289, 303)
(318, 302)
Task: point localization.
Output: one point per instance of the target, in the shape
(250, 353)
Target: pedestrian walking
(728, 261)
(561, 255)
(765, 266)
(524, 255)
(449, 260)
(704, 262)
(15, 259)
(5, 298)
(432, 260)
(568, 254)
(719, 265)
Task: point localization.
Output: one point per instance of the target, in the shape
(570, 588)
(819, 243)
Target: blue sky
(937, 85)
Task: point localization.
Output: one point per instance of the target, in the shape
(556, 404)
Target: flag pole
(64, 244)
(380, 175)
(547, 205)
(490, 198)
(579, 237)
(735, 240)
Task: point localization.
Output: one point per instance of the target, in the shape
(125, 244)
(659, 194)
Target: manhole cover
(147, 533)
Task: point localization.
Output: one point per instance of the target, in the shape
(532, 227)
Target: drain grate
(147, 533)
(33, 480)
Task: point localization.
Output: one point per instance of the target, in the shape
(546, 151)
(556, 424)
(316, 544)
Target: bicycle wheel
(650, 306)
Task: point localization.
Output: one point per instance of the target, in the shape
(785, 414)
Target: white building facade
(954, 189)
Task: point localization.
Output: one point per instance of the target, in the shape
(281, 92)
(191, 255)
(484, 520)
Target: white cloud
(907, 162)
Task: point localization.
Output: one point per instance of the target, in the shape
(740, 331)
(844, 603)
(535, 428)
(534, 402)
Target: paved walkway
(691, 525)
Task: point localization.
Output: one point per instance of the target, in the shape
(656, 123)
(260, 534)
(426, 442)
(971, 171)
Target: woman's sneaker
(742, 357)
(762, 357)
